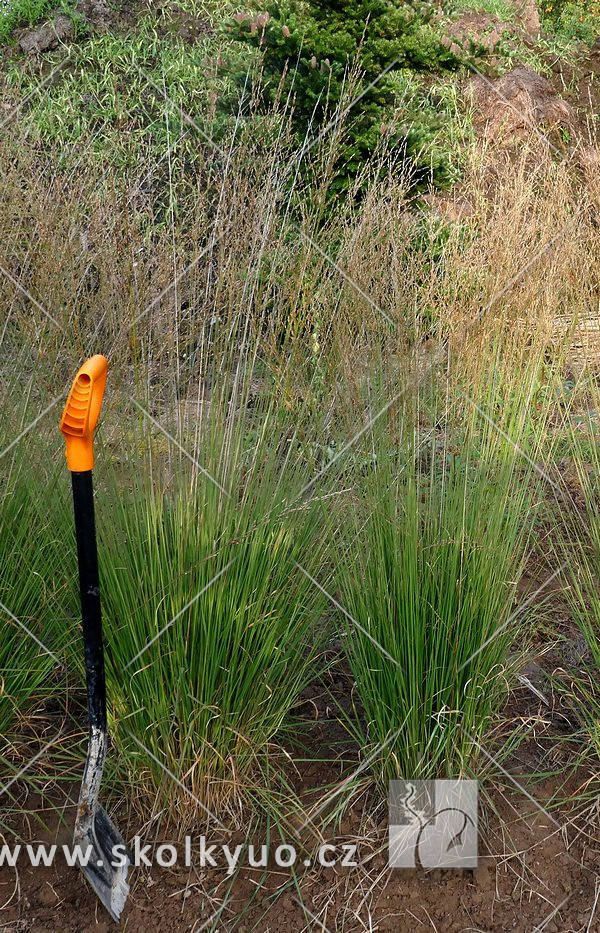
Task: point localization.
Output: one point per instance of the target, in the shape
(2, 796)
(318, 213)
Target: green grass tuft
(434, 548)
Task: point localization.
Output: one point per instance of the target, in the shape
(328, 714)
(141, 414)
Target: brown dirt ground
(525, 871)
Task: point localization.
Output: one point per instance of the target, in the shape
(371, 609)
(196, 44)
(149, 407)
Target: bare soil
(526, 870)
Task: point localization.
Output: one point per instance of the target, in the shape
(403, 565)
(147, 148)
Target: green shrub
(21, 13)
(572, 20)
(17, 13)
(310, 51)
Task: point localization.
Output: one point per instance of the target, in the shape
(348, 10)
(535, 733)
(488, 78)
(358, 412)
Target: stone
(46, 37)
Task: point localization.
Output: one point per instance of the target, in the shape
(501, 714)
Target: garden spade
(108, 862)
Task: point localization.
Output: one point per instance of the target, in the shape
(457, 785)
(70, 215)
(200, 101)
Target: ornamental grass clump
(433, 550)
(212, 632)
(32, 635)
(579, 546)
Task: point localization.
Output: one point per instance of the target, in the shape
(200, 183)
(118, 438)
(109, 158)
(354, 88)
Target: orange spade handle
(81, 413)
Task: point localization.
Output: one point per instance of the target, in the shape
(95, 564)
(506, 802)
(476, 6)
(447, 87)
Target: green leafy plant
(21, 13)
(17, 13)
(572, 20)
(503, 9)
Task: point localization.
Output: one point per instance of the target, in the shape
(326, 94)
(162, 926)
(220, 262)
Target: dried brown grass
(84, 245)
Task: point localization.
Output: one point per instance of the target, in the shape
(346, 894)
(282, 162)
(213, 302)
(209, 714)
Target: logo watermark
(433, 824)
